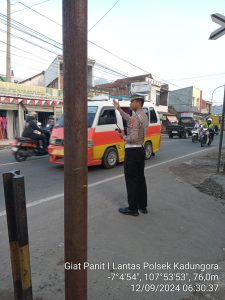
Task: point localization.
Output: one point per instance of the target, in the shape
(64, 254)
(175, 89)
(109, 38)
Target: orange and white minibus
(105, 147)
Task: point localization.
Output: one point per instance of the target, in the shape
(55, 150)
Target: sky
(169, 39)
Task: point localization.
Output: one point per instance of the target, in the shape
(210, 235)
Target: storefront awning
(36, 102)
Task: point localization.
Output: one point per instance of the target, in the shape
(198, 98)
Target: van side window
(129, 112)
(153, 116)
(107, 116)
(146, 112)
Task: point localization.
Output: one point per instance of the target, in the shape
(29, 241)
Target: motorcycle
(23, 147)
(216, 129)
(195, 135)
(206, 137)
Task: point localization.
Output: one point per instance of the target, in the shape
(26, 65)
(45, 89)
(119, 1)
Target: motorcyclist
(209, 125)
(31, 126)
(50, 123)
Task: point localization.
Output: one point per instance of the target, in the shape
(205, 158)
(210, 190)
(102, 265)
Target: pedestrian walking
(134, 162)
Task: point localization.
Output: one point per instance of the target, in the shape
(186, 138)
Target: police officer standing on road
(134, 157)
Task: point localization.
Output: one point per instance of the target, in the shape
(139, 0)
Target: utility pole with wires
(219, 19)
(8, 44)
(75, 141)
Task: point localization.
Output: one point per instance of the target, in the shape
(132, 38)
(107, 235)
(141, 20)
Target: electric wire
(103, 16)
(32, 43)
(30, 6)
(22, 50)
(117, 56)
(111, 53)
(21, 27)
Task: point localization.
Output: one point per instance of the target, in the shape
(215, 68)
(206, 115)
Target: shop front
(13, 111)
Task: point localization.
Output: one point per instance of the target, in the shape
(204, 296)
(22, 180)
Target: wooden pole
(75, 143)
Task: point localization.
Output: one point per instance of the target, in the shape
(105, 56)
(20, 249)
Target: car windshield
(91, 115)
(187, 120)
(60, 122)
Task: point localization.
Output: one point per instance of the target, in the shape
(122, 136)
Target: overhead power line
(28, 30)
(120, 58)
(26, 51)
(200, 76)
(30, 6)
(115, 55)
(103, 16)
(32, 43)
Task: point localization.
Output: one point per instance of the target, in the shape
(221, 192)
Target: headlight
(90, 143)
(52, 141)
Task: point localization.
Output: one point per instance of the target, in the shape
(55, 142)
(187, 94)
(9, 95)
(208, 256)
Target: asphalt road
(183, 226)
(43, 179)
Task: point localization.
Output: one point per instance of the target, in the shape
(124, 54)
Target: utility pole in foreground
(8, 43)
(75, 145)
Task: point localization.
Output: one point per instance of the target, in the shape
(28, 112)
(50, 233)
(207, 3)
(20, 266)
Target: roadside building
(36, 80)
(153, 90)
(54, 74)
(188, 100)
(17, 99)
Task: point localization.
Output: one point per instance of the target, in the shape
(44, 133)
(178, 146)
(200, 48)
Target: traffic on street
(45, 180)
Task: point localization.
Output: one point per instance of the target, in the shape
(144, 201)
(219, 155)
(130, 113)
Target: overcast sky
(168, 39)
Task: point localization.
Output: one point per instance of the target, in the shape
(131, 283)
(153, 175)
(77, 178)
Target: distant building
(155, 91)
(121, 87)
(100, 81)
(206, 107)
(54, 73)
(185, 99)
(36, 80)
(188, 100)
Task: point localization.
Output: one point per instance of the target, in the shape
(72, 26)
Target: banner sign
(24, 90)
(140, 88)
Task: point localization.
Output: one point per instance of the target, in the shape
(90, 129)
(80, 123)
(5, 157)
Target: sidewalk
(184, 225)
(5, 144)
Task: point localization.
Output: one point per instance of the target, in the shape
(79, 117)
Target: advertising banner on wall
(140, 88)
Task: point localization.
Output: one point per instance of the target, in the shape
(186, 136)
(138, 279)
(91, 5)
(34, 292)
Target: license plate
(57, 152)
(174, 131)
(14, 149)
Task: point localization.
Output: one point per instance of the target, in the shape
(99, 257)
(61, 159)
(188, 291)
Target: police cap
(138, 98)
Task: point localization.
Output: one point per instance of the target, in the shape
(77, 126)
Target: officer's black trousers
(134, 165)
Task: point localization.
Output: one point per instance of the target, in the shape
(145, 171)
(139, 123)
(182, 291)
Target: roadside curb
(5, 144)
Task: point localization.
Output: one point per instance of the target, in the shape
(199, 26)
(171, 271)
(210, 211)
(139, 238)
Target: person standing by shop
(134, 162)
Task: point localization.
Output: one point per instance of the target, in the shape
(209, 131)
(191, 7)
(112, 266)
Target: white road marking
(26, 161)
(47, 199)
(37, 202)
(13, 163)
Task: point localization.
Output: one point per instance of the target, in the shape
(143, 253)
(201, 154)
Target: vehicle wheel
(148, 150)
(110, 158)
(193, 139)
(19, 157)
(185, 135)
(170, 136)
(202, 141)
